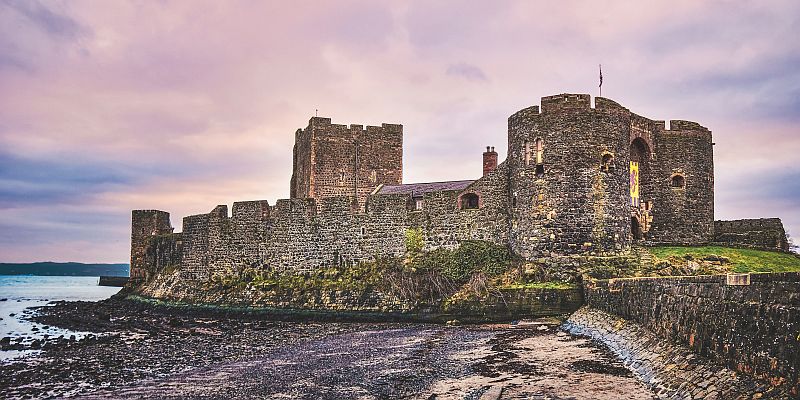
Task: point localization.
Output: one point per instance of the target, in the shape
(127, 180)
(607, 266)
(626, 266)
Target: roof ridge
(427, 183)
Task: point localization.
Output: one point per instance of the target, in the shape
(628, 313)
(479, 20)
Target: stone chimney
(489, 160)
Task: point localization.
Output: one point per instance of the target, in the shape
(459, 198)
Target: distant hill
(64, 269)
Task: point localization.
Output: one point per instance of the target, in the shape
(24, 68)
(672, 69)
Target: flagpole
(601, 79)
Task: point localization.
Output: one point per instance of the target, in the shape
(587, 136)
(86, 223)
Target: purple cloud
(467, 71)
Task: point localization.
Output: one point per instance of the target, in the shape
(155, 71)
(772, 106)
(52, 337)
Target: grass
(742, 260)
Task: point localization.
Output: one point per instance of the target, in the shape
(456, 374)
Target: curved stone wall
(672, 371)
(749, 323)
(565, 203)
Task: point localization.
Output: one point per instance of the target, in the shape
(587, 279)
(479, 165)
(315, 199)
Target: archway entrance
(636, 230)
(640, 188)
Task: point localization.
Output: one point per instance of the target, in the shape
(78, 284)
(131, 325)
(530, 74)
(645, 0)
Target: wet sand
(163, 354)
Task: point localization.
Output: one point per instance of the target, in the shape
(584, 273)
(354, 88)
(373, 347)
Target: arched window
(363, 230)
(607, 162)
(678, 181)
(527, 153)
(539, 151)
(469, 201)
(539, 157)
(639, 171)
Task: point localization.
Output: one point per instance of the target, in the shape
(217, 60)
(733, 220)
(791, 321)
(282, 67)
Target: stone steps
(644, 256)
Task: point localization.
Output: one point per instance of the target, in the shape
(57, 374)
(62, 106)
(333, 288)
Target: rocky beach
(141, 350)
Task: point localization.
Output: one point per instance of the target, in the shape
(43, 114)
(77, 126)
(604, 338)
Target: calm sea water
(20, 292)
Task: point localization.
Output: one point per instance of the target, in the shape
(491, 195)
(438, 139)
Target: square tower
(145, 225)
(337, 160)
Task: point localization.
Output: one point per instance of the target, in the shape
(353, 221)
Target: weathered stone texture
(562, 203)
(763, 233)
(669, 369)
(145, 225)
(564, 190)
(683, 214)
(511, 304)
(754, 329)
(163, 252)
(333, 160)
(195, 256)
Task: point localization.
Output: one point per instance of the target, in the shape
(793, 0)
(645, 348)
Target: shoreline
(142, 351)
(328, 315)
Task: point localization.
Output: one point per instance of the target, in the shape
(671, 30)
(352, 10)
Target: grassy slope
(743, 260)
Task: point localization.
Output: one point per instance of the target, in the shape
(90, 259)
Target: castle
(578, 180)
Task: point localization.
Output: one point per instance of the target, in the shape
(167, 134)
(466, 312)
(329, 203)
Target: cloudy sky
(107, 106)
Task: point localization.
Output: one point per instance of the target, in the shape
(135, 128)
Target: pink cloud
(198, 101)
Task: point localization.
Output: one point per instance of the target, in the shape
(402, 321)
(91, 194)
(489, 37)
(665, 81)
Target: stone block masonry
(145, 226)
(751, 326)
(578, 181)
(333, 160)
(762, 233)
(672, 371)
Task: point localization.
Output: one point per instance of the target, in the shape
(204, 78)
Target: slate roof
(419, 189)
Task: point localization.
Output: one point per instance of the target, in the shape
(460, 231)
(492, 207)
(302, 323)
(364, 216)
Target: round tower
(569, 181)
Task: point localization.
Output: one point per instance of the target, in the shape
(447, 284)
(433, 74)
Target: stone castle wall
(671, 370)
(564, 190)
(332, 160)
(574, 197)
(683, 214)
(750, 323)
(145, 225)
(762, 233)
(445, 224)
(303, 235)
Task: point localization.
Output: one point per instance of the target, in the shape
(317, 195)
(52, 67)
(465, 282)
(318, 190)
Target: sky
(109, 106)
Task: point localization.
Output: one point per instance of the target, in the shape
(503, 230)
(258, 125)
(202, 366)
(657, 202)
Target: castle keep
(578, 180)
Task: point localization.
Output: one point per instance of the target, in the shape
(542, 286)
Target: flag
(601, 76)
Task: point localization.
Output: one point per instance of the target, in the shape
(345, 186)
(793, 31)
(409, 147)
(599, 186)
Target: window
(527, 153)
(607, 162)
(469, 201)
(363, 230)
(540, 171)
(539, 151)
(678, 181)
(418, 204)
(514, 200)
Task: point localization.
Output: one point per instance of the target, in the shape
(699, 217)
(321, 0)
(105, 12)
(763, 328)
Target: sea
(18, 293)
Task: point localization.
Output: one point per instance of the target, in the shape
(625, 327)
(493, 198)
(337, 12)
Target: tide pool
(18, 293)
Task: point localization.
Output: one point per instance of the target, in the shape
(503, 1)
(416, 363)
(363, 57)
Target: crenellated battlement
(339, 160)
(523, 114)
(565, 189)
(566, 101)
(322, 125)
(682, 125)
(604, 104)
